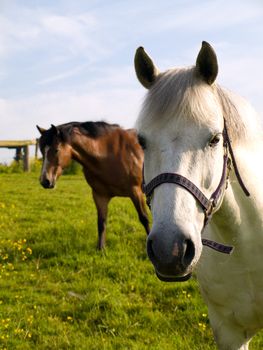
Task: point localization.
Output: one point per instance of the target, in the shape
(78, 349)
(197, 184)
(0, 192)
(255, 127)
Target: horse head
(181, 128)
(56, 154)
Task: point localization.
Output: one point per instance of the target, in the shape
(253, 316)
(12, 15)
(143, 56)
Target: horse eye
(214, 140)
(142, 142)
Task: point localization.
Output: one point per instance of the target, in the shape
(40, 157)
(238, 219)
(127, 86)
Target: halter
(211, 205)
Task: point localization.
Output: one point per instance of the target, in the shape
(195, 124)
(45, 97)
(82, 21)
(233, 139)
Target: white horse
(185, 127)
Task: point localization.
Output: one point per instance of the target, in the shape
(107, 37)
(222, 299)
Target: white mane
(180, 92)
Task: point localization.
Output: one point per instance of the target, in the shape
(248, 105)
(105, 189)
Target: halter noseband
(209, 206)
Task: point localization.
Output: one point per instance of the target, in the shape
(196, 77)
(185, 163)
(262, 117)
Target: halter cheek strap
(209, 206)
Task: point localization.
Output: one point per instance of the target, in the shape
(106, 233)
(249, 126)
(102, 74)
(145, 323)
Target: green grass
(58, 292)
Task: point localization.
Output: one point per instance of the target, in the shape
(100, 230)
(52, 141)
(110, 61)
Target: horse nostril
(45, 183)
(189, 252)
(150, 251)
(170, 259)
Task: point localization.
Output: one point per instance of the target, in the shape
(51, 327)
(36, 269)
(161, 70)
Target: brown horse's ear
(145, 69)
(41, 130)
(206, 63)
(57, 132)
(54, 129)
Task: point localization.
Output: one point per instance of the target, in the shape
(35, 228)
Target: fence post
(26, 158)
(18, 156)
(22, 149)
(36, 148)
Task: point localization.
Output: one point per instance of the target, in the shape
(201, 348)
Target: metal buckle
(209, 211)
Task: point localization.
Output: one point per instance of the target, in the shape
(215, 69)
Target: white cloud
(212, 15)
(74, 26)
(16, 35)
(66, 60)
(63, 75)
(75, 32)
(45, 30)
(115, 106)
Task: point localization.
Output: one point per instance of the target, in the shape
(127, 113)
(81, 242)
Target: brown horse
(111, 158)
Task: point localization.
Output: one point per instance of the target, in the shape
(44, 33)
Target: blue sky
(70, 60)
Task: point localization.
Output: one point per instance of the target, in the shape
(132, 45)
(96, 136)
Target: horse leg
(228, 335)
(231, 339)
(101, 203)
(138, 200)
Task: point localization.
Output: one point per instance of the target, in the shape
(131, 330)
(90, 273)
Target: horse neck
(239, 215)
(84, 149)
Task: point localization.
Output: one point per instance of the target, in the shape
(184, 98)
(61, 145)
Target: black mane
(63, 131)
(97, 129)
(91, 129)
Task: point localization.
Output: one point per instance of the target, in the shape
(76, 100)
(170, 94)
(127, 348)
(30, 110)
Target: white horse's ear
(145, 69)
(206, 63)
(41, 130)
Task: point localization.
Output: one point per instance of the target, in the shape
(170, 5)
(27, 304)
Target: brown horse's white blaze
(112, 164)
(56, 157)
(44, 178)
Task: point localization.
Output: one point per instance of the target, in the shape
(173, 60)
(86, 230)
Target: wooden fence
(21, 149)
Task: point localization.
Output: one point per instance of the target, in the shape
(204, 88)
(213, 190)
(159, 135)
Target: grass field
(58, 292)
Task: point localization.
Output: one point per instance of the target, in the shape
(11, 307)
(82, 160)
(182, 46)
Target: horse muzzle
(173, 278)
(172, 262)
(46, 183)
